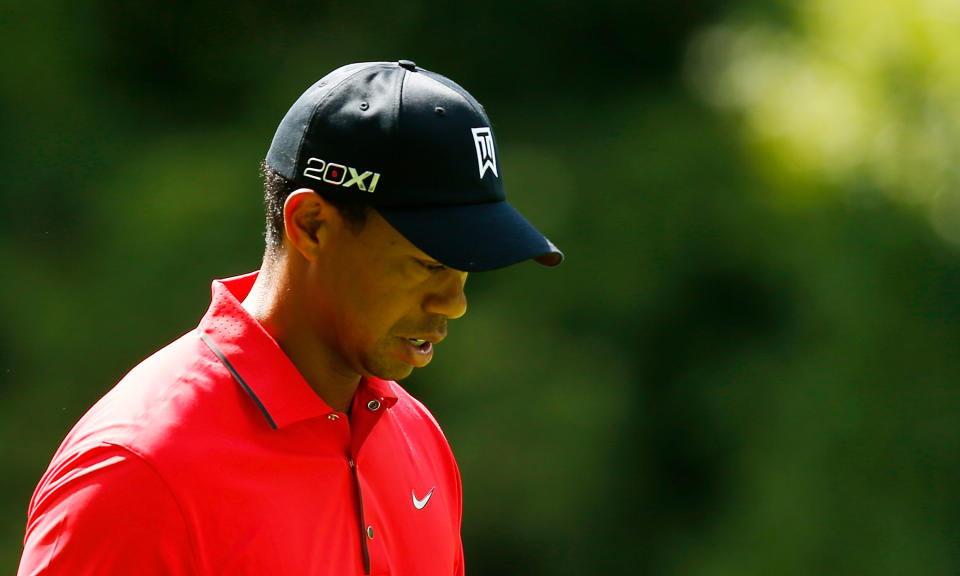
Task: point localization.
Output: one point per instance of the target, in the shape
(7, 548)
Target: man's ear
(307, 218)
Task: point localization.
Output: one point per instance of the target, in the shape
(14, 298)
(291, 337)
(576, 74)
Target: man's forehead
(380, 234)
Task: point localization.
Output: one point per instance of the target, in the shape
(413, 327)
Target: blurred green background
(748, 362)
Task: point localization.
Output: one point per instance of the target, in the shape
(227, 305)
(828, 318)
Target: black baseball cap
(421, 148)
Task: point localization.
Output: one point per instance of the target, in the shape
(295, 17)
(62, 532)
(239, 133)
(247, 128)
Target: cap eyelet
(364, 106)
(373, 405)
(440, 111)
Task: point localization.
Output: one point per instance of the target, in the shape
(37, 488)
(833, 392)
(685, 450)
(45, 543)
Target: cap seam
(399, 107)
(459, 91)
(313, 114)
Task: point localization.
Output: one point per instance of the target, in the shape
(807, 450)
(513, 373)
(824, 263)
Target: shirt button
(370, 532)
(333, 416)
(373, 405)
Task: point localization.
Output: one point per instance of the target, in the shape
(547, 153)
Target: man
(274, 438)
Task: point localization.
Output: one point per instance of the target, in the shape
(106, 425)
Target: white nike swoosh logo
(418, 503)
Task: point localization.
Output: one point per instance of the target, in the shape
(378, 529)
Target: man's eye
(432, 266)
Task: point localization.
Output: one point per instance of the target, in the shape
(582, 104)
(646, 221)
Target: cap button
(408, 64)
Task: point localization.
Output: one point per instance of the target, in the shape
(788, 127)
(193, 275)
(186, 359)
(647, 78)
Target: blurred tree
(746, 364)
(849, 92)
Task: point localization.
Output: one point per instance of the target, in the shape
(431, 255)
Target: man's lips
(419, 352)
(420, 340)
(423, 338)
(425, 343)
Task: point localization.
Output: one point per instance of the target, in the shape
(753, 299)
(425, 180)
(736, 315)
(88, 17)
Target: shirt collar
(259, 364)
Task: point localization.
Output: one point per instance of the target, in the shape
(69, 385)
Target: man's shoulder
(153, 400)
(409, 412)
(407, 404)
(138, 424)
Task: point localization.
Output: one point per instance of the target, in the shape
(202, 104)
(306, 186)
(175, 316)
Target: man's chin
(395, 372)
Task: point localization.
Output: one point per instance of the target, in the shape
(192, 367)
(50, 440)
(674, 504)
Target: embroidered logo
(486, 155)
(418, 503)
(336, 174)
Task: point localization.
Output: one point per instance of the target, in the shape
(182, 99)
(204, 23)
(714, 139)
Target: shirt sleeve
(105, 511)
(458, 567)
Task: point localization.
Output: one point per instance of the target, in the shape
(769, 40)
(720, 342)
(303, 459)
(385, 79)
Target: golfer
(274, 439)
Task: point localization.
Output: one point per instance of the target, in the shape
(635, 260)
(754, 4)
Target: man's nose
(449, 299)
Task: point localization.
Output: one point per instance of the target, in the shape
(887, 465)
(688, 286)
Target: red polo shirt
(214, 456)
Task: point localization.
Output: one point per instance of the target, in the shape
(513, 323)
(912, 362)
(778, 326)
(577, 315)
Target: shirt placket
(367, 410)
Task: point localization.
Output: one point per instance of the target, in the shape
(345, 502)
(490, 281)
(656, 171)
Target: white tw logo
(486, 156)
(336, 174)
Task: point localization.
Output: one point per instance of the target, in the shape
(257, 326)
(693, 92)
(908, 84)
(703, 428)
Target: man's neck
(275, 303)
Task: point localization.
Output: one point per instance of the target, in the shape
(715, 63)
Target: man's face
(382, 302)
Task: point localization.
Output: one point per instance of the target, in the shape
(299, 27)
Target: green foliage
(745, 365)
(847, 90)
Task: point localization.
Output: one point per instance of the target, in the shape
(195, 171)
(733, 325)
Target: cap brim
(473, 237)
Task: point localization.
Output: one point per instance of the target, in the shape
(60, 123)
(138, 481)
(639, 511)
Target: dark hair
(276, 189)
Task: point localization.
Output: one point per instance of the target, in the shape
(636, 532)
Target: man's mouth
(419, 352)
